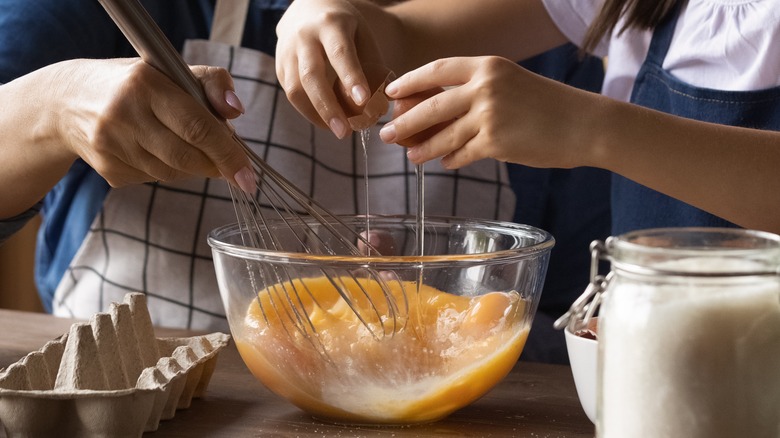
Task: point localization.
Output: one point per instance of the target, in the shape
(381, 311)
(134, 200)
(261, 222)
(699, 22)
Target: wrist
(58, 129)
(41, 105)
(602, 129)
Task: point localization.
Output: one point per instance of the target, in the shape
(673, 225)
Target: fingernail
(413, 154)
(387, 133)
(338, 127)
(391, 88)
(232, 99)
(359, 94)
(245, 179)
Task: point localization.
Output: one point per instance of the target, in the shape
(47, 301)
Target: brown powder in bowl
(590, 332)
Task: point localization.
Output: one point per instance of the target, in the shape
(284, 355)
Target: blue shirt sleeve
(11, 225)
(35, 33)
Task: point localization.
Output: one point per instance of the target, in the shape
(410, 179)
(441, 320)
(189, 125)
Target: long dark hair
(640, 14)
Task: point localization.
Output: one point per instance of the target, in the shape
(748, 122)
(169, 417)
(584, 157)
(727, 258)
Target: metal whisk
(288, 204)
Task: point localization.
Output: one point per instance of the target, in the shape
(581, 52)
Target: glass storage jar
(689, 334)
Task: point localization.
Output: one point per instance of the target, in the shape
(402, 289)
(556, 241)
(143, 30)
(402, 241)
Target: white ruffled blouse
(721, 44)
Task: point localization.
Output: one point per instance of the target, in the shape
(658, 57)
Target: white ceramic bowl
(583, 354)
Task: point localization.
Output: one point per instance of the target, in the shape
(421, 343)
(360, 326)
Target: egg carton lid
(108, 377)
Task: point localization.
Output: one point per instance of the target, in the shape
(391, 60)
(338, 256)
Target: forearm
(424, 30)
(31, 160)
(728, 171)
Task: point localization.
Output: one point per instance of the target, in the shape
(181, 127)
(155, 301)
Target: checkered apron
(152, 237)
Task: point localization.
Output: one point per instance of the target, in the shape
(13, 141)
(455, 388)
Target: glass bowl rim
(545, 244)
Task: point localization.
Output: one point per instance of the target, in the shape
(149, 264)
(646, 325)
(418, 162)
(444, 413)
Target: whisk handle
(153, 46)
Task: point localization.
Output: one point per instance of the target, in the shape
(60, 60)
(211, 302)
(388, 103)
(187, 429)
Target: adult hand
(132, 124)
(467, 109)
(124, 118)
(323, 49)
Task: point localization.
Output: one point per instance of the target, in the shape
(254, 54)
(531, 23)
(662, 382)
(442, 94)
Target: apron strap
(662, 35)
(229, 19)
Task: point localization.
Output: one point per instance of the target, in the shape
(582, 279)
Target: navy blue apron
(635, 206)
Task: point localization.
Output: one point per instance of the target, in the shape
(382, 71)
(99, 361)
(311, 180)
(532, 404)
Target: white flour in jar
(691, 357)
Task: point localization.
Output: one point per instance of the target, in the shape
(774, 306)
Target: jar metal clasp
(585, 306)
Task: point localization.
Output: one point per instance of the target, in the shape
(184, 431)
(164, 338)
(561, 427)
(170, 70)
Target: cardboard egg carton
(108, 377)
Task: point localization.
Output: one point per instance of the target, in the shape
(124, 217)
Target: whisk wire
(309, 205)
(252, 223)
(251, 214)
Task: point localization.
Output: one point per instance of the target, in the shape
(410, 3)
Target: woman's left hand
(467, 109)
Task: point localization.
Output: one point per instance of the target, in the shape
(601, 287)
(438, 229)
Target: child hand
(467, 109)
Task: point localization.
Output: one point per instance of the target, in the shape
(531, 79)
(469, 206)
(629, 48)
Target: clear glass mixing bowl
(398, 350)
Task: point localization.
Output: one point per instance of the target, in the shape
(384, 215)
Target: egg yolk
(401, 354)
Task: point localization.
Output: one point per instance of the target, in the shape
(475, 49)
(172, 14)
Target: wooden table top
(534, 400)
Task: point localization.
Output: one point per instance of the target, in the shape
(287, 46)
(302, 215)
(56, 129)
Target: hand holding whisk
(273, 198)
